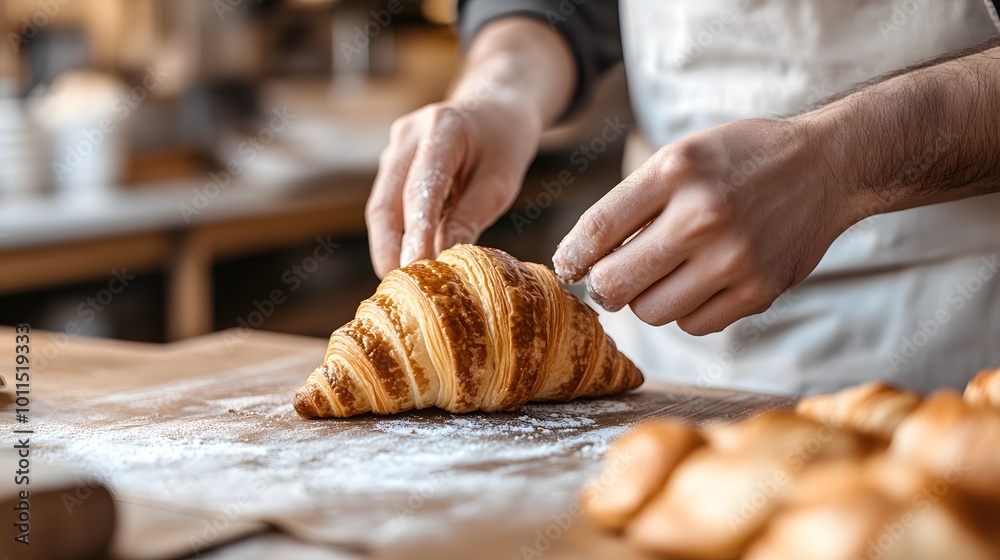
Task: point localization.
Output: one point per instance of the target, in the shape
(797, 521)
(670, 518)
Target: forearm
(522, 61)
(924, 136)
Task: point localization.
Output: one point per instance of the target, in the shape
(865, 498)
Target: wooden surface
(195, 430)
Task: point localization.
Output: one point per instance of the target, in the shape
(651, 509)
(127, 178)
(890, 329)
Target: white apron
(910, 297)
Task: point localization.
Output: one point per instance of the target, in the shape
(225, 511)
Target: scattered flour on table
(198, 447)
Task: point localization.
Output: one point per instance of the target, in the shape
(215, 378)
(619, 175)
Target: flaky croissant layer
(475, 329)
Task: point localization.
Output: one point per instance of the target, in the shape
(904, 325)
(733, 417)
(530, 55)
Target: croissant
(635, 469)
(984, 389)
(954, 441)
(872, 408)
(475, 329)
(796, 438)
(869, 524)
(712, 505)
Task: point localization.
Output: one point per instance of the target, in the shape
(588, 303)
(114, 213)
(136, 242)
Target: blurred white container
(22, 157)
(83, 116)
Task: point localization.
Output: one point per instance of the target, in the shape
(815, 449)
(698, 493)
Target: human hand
(724, 221)
(451, 169)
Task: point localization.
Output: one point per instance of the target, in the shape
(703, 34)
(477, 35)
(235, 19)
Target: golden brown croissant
(712, 505)
(872, 408)
(867, 523)
(984, 389)
(475, 329)
(797, 439)
(635, 469)
(783, 485)
(720, 495)
(954, 441)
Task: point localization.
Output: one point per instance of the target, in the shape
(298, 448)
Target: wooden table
(202, 431)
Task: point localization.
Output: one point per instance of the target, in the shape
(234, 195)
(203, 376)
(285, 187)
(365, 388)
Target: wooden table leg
(189, 286)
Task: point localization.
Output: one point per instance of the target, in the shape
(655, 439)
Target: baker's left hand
(723, 221)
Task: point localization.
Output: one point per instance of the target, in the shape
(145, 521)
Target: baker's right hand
(451, 169)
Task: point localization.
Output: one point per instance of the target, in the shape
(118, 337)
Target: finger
(722, 310)
(429, 182)
(652, 254)
(384, 210)
(607, 224)
(679, 293)
(488, 194)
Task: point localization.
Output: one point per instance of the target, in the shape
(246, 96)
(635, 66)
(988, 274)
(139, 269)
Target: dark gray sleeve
(591, 27)
(994, 10)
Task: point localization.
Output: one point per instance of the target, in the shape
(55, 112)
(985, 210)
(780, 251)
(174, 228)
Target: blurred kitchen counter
(50, 242)
(310, 183)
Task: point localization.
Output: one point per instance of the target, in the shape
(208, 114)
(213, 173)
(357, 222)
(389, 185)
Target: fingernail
(562, 264)
(598, 297)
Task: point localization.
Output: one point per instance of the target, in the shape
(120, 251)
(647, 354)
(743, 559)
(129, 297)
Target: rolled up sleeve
(591, 28)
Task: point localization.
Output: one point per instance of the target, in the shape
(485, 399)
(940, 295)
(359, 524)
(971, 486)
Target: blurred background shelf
(286, 103)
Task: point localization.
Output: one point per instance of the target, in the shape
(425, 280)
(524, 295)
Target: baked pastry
(984, 389)
(877, 473)
(790, 436)
(475, 329)
(955, 442)
(872, 408)
(636, 468)
(835, 528)
(712, 505)
(869, 524)
(722, 494)
(825, 480)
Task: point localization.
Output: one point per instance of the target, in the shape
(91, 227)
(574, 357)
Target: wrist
(477, 92)
(521, 62)
(836, 165)
(497, 108)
